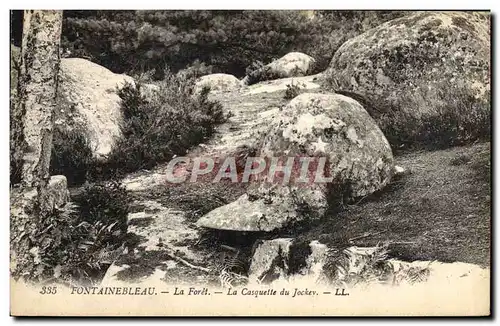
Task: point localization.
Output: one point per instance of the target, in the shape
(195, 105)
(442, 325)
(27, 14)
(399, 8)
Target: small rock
(58, 194)
(399, 170)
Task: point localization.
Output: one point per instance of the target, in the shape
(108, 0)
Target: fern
(411, 274)
(357, 266)
(230, 279)
(230, 269)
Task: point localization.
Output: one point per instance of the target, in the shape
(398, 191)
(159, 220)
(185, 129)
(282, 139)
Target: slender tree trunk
(37, 100)
(39, 69)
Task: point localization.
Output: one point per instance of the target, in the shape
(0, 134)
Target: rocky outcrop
(285, 259)
(218, 83)
(333, 129)
(279, 259)
(55, 196)
(293, 64)
(416, 64)
(88, 99)
(270, 260)
(271, 86)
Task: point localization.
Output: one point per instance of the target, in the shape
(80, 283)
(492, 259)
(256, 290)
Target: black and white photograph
(267, 162)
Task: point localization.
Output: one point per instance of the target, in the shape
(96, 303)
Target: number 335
(49, 290)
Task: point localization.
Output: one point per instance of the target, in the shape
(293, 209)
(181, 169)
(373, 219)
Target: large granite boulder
(218, 83)
(293, 64)
(88, 100)
(334, 129)
(426, 63)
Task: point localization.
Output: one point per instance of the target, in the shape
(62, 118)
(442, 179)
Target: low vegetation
(440, 210)
(76, 244)
(292, 90)
(105, 202)
(167, 121)
(458, 119)
(452, 114)
(157, 128)
(71, 155)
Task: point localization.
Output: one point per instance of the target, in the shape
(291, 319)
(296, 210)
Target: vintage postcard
(250, 163)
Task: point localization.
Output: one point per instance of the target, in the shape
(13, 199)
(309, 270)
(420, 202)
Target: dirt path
(158, 228)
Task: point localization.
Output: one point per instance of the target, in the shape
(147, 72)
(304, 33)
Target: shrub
(142, 40)
(93, 249)
(71, 155)
(253, 72)
(106, 203)
(458, 118)
(292, 90)
(145, 40)
(195, 70)
(167, 124)
(65, 249)
(255, 66)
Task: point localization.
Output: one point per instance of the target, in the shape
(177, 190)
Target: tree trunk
(37, 100)
(39, 69)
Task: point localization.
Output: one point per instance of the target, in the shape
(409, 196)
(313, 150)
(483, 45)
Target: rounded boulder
(218, 83)
(293, 64)
(335, 129)
(426, 64)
